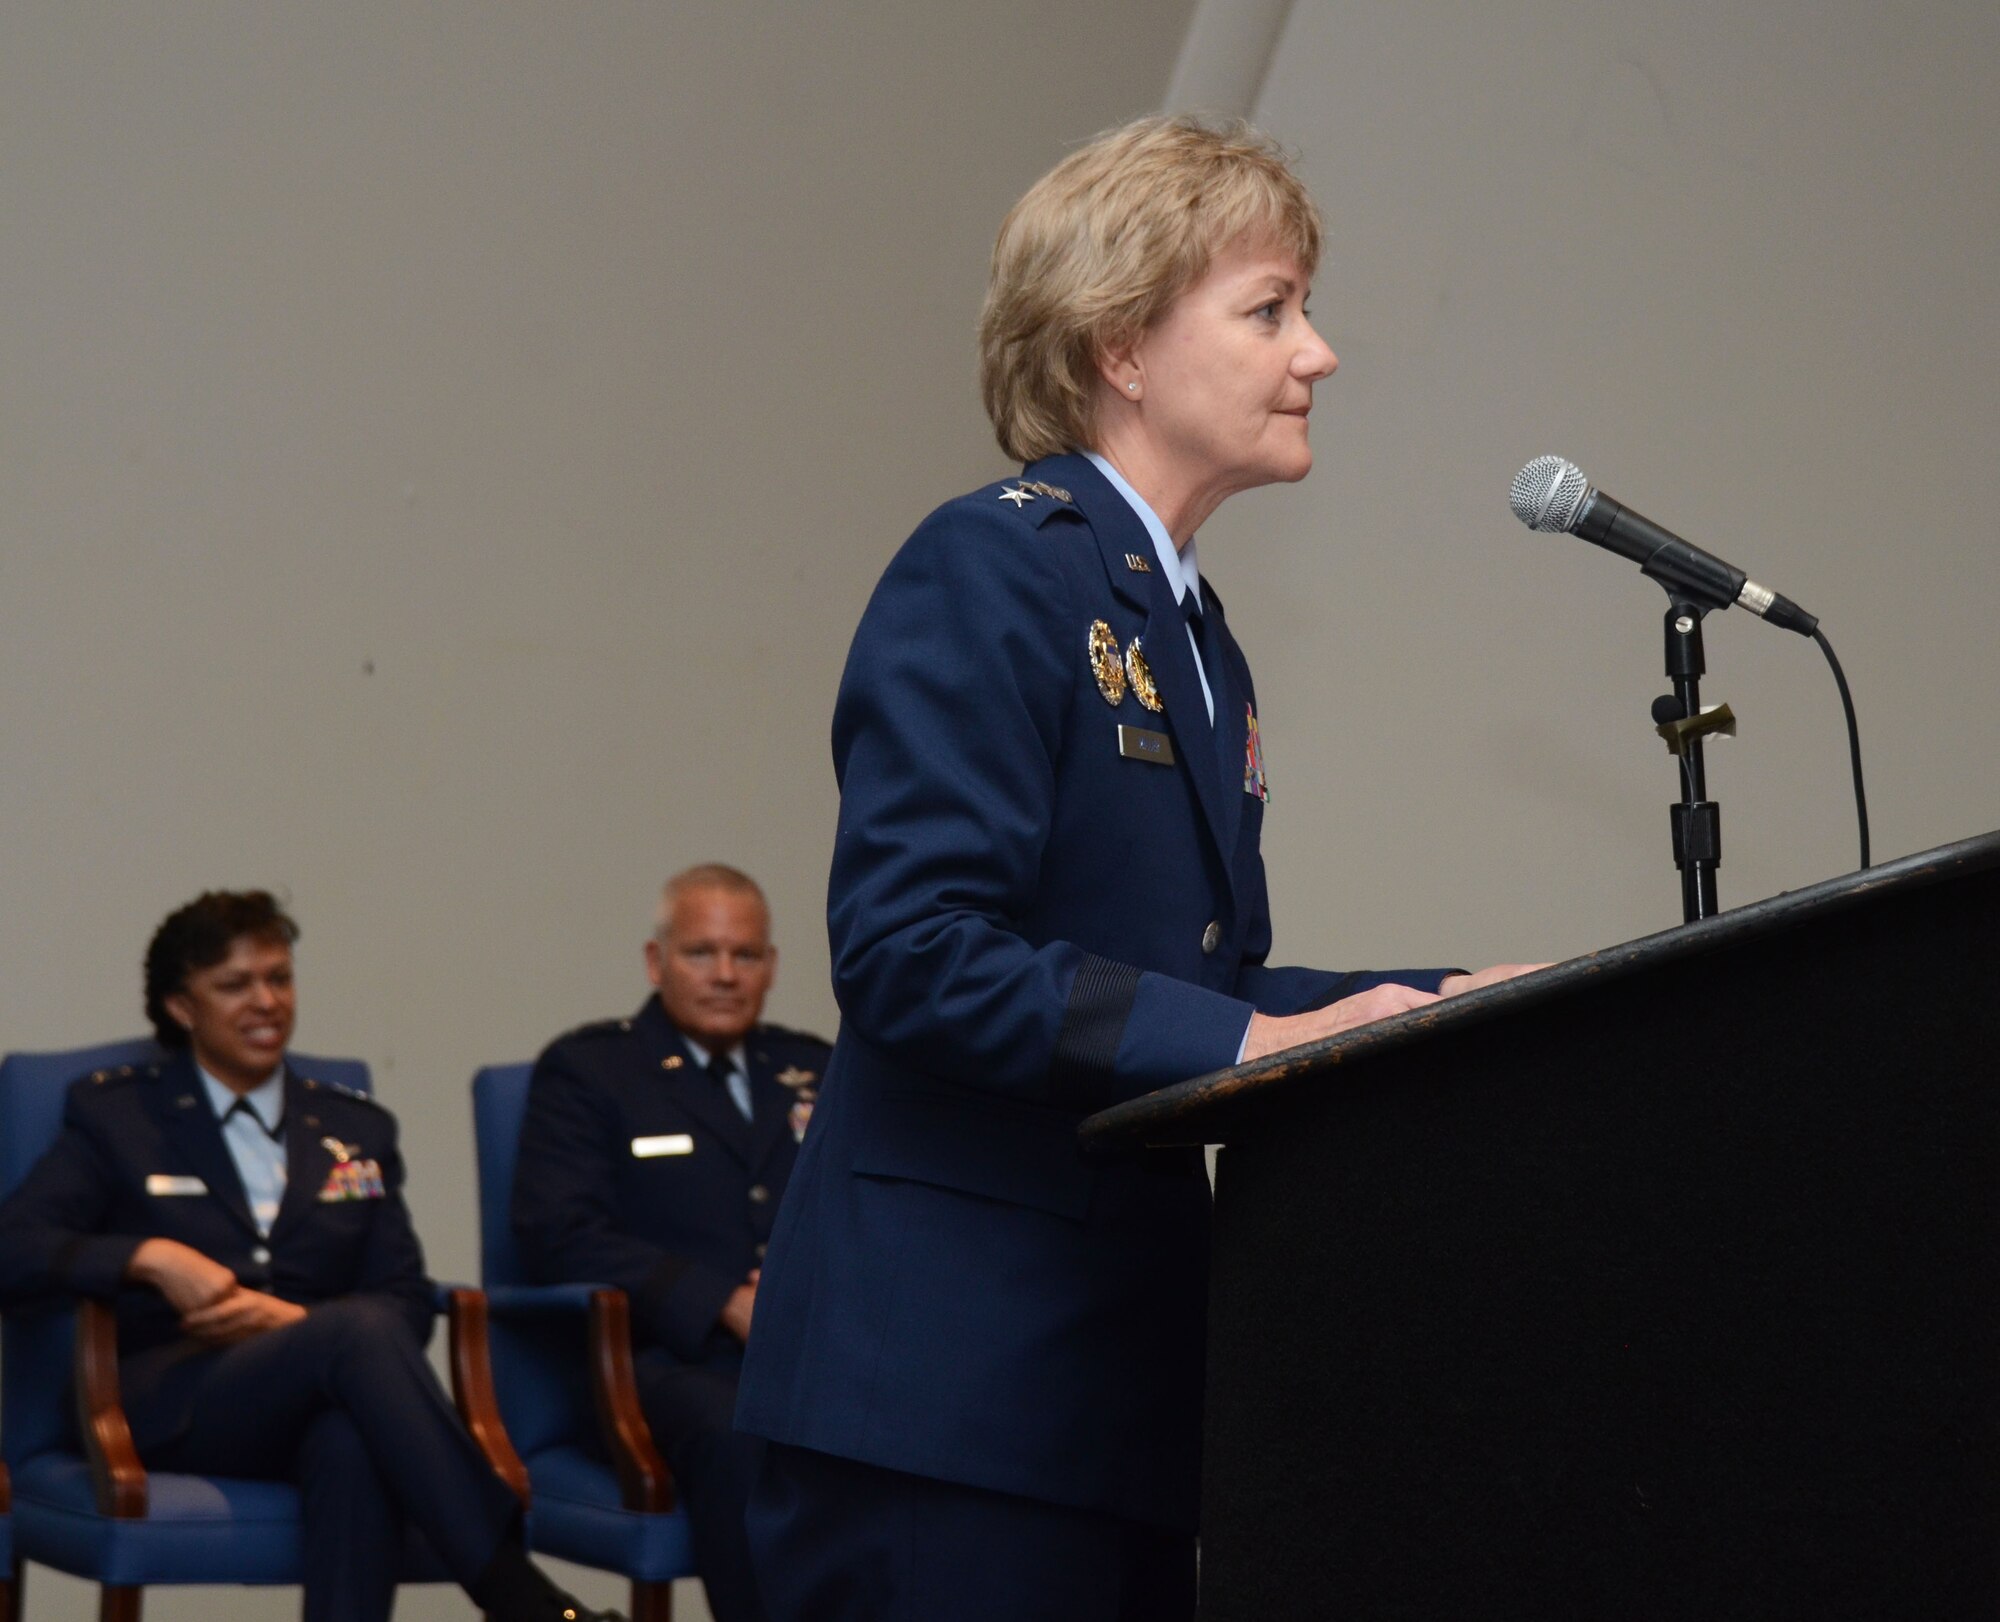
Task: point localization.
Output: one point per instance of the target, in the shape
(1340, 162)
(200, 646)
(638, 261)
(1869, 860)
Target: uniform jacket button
(1211, 937)
(759, 1193)
(261, 1256)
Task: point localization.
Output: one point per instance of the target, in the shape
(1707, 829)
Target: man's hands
(1269, 1033)
(735, 1314)
(213, 1306)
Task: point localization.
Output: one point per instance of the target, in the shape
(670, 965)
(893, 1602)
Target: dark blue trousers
(691, 1411)
(840, 1541)
(344, 1404)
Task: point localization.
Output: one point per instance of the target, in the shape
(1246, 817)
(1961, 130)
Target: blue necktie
(732, 1081)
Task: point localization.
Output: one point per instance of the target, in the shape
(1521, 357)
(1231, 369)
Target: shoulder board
(124, 1072)
(784, 1033)
(597, 1029)
(1033, 500)
(341, 1091)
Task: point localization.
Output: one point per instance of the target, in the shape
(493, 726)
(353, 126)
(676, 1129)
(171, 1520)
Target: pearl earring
(1134, 387)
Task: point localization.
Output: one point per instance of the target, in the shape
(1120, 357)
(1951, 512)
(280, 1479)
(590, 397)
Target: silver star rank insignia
(1019, 497)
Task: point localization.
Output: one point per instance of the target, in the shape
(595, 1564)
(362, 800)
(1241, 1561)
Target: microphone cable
(1853, 740)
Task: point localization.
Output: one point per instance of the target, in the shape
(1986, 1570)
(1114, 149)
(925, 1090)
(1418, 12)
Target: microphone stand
(1679, 719)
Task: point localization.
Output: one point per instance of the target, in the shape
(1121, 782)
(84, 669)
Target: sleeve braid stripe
(1100, 1002)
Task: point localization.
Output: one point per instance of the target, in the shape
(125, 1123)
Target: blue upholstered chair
(90, 1508)
(561, 1361)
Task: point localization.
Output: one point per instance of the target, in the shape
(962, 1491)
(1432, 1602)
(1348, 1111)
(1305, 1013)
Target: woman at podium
(979, 1355)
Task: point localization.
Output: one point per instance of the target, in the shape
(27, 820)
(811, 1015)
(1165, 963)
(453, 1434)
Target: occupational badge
(1054, 492)
(1253, 758)
(1105, 664)
(792, 1076)
(1140, 674)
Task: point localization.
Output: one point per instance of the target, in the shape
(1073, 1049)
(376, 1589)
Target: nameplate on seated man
(671, 1143)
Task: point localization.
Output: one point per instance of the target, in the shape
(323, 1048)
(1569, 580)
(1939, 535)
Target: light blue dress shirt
(255, 1136)
(1180, 567)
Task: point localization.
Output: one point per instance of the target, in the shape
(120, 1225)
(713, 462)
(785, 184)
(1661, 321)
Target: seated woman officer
(272, 1304)
(979, 1356)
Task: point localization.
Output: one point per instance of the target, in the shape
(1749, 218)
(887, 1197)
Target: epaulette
(1034, 500)
(345, 1091)
(598, 1028)
(124, 1072)
(785, 1033)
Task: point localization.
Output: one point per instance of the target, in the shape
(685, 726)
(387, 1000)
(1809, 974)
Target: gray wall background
(445, 450)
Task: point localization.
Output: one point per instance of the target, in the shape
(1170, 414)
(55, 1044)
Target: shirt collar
(702, 1055)
(1181, 568)
(266, 1100)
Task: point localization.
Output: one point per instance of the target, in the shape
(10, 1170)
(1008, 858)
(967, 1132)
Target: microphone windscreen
(1547, 493)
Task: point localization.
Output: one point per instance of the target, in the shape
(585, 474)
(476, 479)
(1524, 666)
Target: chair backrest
(540, 1360)
(36, 1343)
(499, 1104)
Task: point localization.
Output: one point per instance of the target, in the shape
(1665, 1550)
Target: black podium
(1664, 1283)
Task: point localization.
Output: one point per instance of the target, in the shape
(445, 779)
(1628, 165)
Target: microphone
(1551, 495)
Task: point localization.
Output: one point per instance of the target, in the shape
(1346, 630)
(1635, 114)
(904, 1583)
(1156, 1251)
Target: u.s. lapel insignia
(1105, 664)
(1137, 564)
(793, 1076)
(1020, 495)
(339, 1150)
(673, 1061)
(1253, 758)
(1140, 674)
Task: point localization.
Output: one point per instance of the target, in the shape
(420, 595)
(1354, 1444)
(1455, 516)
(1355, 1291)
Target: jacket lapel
(307, 1158)
(191, 1128)
(687, 1084)
(1164, 641)
(1232, 729)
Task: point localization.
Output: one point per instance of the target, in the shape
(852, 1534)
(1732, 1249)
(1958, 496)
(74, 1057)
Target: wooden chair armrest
(116, 1474)
(644, 1481)
(472, 1389)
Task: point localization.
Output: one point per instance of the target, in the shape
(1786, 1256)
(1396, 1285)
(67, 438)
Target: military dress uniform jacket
(1033, 914)
(141, 1156)
(637, 1170)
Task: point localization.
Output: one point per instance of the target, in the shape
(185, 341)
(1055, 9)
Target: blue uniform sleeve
(49, 1240)
(392, 1260)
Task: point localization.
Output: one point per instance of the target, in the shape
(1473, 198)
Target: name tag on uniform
(672, 1143)
(166, 1184)
(1136, 743)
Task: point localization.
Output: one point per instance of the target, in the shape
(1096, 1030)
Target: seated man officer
(271, 1298)
(653, 1157)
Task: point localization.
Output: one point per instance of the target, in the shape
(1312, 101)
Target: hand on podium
(1453, 984)
(1271, 1033)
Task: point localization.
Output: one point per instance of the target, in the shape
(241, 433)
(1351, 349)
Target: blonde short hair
(704, 876)
(1102, 245)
